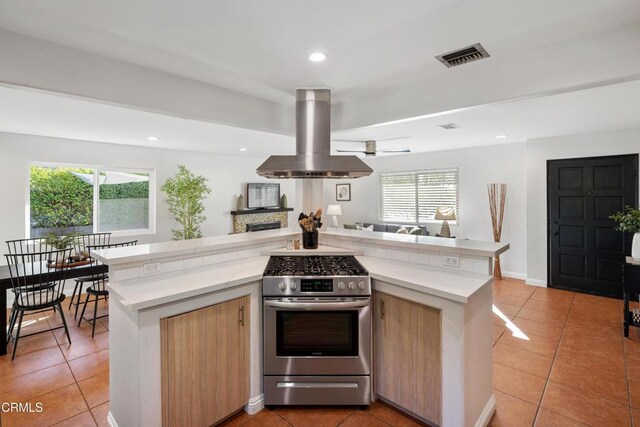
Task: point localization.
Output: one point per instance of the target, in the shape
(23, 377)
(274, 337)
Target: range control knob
(361, 284)
(282, 286)
(352, 285)
(293, 286)
(341, 285)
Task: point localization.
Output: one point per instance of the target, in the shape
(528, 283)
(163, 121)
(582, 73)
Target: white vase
(635, 247)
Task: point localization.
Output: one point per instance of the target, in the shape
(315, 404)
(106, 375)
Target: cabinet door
(205, 364)
(408, 367)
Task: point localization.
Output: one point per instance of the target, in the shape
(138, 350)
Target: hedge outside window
(413, 197)
(65, 200)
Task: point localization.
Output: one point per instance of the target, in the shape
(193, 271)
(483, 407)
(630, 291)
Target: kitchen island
(153, 283)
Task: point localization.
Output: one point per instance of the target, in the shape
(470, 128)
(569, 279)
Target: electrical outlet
(152, 268)
(451, 261)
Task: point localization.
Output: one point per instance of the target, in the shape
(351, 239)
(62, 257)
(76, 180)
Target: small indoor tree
(185, 195)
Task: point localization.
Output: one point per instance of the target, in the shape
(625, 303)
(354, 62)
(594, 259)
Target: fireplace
(263, 226)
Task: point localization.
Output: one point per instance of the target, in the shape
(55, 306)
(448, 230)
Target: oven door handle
(325, 305)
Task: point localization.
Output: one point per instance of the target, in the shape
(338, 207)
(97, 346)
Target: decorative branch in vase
(497, 198)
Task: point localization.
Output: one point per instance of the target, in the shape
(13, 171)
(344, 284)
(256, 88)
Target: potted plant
(629, 221)
(59, 242)
(185, 195)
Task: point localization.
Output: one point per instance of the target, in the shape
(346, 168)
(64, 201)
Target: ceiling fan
(370, 149)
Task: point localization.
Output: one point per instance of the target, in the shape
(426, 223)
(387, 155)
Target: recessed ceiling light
(152, 138)
(317, 57)
(242, 149)
(501, 136)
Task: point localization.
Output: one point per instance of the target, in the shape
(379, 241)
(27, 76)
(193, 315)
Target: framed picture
(343, 192)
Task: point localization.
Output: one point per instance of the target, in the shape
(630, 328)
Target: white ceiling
(44, 114)
(260, 47)
(591, 110)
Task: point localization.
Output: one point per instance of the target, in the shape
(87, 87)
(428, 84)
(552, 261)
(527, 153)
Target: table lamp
(335, 211)
(445, 214)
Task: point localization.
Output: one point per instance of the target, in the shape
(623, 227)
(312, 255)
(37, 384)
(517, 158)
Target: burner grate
(314, 266)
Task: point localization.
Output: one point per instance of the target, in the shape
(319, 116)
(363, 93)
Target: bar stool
(98, 288)
(82, 244)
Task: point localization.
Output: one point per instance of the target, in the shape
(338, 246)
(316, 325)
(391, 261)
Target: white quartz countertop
(445, 283)
(155, 291)
(186, 248)
(439, 244)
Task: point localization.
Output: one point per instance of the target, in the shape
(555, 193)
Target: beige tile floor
(560, 359)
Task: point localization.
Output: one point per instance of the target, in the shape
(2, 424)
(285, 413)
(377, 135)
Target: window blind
(414, 196)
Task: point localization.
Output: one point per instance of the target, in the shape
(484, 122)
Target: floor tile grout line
(553, 359)
(67, 419)
(551, 369)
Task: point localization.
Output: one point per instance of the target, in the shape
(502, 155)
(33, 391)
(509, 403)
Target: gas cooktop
(345, 265)
(315, 276)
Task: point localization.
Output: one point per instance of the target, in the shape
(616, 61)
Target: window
(77, 199)
(414, 196)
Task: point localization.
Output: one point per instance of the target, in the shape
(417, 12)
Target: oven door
(317, 336)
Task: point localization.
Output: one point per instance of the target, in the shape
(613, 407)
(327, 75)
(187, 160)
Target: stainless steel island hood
(313, 157)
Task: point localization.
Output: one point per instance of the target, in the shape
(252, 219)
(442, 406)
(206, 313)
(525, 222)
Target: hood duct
(313, 157)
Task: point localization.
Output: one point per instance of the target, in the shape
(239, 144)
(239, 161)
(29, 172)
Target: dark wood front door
(586, 253)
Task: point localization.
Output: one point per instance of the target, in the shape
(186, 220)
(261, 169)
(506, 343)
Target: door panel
(605, 206)
(608, 177)
(408, 363)
(609, 239)
(586, 253)
(572, 236)
(572, 207)
(205, 364)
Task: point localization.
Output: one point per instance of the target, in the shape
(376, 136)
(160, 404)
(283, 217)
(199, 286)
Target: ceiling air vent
(462, 56)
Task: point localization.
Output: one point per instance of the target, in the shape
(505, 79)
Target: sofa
(388, 228)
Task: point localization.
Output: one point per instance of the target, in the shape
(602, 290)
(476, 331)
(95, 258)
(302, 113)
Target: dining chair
(37, 280)
(28, 246)
(82, 242)
(98, 288)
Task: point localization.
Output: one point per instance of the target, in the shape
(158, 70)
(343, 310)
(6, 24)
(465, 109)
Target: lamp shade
(445, 213)
(334, 210)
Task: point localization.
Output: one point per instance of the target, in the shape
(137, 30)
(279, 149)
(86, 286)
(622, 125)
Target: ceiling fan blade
(350, 151)
(348, 140)
(394, 150)
(392, 138)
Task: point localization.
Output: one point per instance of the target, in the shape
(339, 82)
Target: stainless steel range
(317, 331)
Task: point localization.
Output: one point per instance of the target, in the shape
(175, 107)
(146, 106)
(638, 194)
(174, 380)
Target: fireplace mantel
(259, 211)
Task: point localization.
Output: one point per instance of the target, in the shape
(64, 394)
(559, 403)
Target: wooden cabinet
(205, 364)
(408, 368)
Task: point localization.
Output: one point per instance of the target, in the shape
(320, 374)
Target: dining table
(5, 284)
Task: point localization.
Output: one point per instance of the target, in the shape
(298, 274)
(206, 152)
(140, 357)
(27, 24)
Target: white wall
(227, 178)
(538, 151)
(522, 166)
(477, 167)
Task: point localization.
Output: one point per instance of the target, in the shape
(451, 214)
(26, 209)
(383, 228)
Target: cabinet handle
(382, 309)
(241, 310)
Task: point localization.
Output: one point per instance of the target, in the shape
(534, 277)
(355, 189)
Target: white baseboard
(536, 282)
(514, 275)
(111, 421)
(487, 413)
(255, 405)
